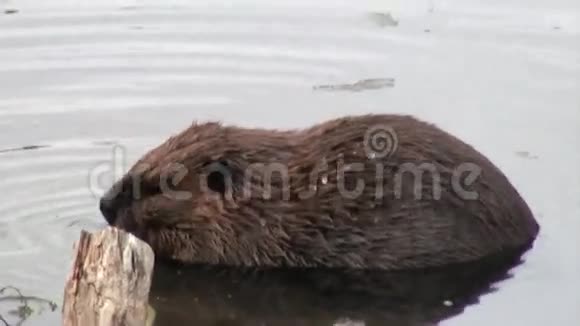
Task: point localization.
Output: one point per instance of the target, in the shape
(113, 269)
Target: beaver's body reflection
(203, 296)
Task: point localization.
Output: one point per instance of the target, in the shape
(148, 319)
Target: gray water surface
(83, 84)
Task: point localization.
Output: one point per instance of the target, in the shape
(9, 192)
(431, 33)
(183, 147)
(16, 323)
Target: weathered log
(109, 282)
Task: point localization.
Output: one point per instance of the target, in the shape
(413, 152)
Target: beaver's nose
(108, 209)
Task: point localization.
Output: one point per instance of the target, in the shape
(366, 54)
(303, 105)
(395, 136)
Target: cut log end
(110, 280)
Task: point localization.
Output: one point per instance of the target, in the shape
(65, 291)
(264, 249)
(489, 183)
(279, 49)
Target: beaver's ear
(223, 177)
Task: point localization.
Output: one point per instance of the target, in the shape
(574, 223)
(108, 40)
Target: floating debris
(526, 154)
(24, 309)
(10, 11)
(361, 85)
(384, 20)
(448, 303)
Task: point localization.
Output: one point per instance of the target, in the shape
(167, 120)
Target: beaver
(372, 192)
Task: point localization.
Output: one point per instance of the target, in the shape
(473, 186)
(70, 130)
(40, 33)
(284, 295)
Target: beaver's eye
(216, 182)
(218, 176)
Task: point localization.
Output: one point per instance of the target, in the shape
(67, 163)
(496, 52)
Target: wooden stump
(109, 282)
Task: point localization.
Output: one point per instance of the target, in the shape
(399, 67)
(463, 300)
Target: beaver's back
(440, 223)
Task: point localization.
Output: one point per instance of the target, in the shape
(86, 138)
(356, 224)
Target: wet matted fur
(225, 195)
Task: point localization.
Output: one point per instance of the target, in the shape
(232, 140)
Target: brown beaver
(365, 192)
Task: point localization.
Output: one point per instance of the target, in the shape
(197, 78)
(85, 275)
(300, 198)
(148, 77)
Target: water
(84, 83)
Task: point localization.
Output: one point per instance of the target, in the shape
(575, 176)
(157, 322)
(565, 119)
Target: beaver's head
(186, 197)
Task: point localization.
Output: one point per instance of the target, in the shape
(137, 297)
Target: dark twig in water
(11, 288)
(24, 311)
(23, 148)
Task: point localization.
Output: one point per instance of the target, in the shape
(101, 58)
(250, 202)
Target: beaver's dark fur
(225, 195)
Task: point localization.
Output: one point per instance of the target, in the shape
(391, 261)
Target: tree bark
(109, 282)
